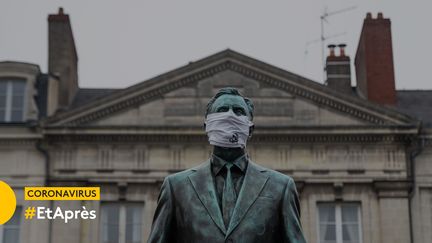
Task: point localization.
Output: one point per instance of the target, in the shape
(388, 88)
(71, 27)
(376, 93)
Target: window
(12, 100)
(9, 232)
(339, 223)
(121, 223)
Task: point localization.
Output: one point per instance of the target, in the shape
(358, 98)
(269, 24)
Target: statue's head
(229, 118)
(230, 98)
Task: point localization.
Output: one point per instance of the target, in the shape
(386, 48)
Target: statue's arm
(163, 229)
(291, 215)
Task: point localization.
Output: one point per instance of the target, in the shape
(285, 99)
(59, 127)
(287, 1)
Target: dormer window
(12, 100)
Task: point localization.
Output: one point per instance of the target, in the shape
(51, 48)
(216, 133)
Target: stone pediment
(179, 98)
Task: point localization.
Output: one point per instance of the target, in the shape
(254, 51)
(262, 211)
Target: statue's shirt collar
(217, 163)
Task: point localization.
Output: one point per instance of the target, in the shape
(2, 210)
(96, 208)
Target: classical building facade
(360, 156)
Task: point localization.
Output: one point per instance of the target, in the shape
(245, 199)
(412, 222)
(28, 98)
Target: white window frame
(338, 220)
(122, 219)
(9, 94)
(19, 227)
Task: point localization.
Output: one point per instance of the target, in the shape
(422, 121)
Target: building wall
(131, 169)
(133, 172)
(129, 163)
(422, 195)
(22, 165)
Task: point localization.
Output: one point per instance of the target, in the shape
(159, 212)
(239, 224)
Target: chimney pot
(368, 15)
(380, 15)
(60, 11)
(332, 50)
(342, 49)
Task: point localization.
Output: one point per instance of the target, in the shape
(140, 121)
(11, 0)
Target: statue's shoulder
(273, 174)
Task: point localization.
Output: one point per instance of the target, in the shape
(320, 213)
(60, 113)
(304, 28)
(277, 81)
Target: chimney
(374, 61)
(338, 70)
(62, 59)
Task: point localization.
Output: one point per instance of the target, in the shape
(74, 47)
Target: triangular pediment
(179, 98)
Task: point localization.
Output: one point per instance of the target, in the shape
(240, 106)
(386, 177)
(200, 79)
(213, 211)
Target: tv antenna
(324, 18)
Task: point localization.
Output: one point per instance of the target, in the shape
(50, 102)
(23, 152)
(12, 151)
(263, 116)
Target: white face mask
(226, 129)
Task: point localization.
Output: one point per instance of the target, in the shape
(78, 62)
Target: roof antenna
(324, 19)
(323, 37)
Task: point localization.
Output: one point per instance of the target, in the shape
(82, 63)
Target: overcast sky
(121, 43)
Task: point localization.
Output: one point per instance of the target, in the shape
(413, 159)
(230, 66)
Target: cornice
(259, 130)
(202, 139)
(18, 68)
(17, 142)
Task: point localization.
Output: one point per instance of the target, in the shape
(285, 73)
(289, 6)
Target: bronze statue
(228, 198)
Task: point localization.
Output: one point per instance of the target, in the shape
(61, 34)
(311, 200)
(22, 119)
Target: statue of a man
(228, 198)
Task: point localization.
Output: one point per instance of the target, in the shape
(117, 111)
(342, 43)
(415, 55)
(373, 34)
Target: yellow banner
(61, 193)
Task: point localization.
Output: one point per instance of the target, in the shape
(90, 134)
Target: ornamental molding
(228, 60)
(17, 69)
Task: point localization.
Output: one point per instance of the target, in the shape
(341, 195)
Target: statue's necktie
(228, 196)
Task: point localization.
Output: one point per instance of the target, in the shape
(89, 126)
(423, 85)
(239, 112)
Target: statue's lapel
(202, 182)
(253, 183)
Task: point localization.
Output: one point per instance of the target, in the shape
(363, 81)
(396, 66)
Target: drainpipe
(418, 149)
(46, 155)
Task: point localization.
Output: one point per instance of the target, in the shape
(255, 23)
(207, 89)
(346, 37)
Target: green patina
(267, 207)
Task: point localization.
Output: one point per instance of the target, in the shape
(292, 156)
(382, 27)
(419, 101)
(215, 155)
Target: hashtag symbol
(30, 212)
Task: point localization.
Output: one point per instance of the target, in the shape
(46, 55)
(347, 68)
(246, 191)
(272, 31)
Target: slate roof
(85, 95)
(416, 103)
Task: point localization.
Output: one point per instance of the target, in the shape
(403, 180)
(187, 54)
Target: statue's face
(234, 102)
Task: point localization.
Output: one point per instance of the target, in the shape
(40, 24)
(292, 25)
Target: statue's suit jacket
(267, 209)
